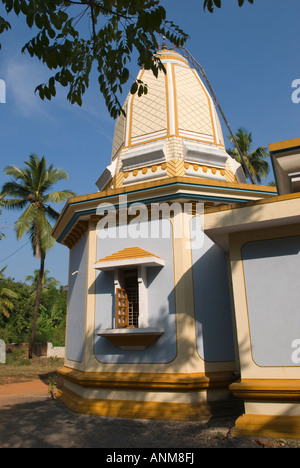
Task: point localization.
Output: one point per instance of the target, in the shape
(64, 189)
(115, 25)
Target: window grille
(132, 290)
(121, 308)
(127, 301)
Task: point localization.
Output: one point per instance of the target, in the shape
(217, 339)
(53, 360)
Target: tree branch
(107, 10)
(91, 4)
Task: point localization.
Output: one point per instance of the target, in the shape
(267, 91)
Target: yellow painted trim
(68, 304)
(275, 390)
(187, 180)
(166, 55)
(255, 425)
(167, 104)
(274, 199)
(175, 292)
(129, 253)
(93, 311)
(175, 169)
(129, 116)
(175, 100)
(160, 185)
(135, 409)
(193, 295)
(91, 296)
(282, 145)
(149, 381)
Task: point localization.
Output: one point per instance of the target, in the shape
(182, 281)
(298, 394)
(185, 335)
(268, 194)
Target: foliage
(17, 357)
(6, 295)
(52, 387)
(28, 189)
(113, 32)
(52, 323)
(210, 4)
(16, 328)
(2, 235)
(52, 318)
(47, 282)
(255, 160)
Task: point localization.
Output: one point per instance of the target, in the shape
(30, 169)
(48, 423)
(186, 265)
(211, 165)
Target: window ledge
(131, 338)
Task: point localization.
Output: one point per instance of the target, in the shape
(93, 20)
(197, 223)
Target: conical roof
(173, 130)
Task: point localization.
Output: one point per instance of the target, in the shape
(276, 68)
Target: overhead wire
(16, 251)
(200, 69)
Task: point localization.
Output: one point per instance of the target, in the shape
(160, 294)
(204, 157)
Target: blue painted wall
(272, 280)
(77, 301)
(161, 299)
(214, 326)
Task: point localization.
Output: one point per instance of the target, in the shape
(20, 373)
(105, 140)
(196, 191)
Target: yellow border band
(255, 425)
(148, 381)
(135, 409)
(284, 145)
(267, 390)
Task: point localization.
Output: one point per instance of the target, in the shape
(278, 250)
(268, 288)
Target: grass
(19, 368)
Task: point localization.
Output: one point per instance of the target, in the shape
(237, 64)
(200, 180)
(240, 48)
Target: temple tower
(151, 329)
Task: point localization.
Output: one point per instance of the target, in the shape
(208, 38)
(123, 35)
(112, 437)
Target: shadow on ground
(49, 424)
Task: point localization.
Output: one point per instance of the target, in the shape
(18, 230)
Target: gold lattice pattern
(150, 110)
(119, 135)
(193, 104)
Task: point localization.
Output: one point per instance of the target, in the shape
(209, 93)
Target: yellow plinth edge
(135, 409)
(252, 425)
(274, 390)
(149, 380)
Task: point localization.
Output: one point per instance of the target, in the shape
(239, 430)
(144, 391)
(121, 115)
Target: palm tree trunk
(36, 307)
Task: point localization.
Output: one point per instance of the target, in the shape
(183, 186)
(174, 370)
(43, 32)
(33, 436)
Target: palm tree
(255, 161)
(48, 281)
(6, 306)
(28, 190)
(2, 236)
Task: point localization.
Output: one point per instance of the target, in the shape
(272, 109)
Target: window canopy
(129, 257)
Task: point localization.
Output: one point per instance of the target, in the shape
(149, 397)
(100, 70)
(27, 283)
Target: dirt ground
(30, 418)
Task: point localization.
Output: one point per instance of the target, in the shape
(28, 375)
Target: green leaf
(47, 93)
(62, 45)
(124, 76)
(9, 4)
(134, 88)
(17, 7)
(141, 90)
(30, 19)
(38, 21)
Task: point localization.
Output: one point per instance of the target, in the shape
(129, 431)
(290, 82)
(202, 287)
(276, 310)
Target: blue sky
(250, 55)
